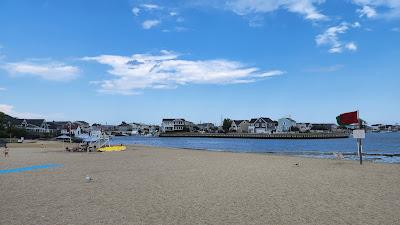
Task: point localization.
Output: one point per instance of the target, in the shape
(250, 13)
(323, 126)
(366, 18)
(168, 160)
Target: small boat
(115, 148)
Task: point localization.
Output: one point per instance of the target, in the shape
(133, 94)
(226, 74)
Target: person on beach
(5, 150)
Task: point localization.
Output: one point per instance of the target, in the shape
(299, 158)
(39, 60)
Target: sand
(148, 185)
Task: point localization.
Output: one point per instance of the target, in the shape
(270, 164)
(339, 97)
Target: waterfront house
(207, 127)
(239, 126)
(304, 127)
(71, 129)
(85, 126)
(285, 124)
(176, 125)
(33, 125)
(262, 125)
(319, 127)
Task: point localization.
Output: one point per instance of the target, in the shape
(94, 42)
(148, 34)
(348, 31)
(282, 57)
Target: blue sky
(108, 61)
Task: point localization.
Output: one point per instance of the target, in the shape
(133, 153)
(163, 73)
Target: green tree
(2, 120)
(226, 125)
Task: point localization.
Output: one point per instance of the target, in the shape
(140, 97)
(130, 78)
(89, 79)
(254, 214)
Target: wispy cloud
(367, 11)
(151, 6)
(168, 70)
(163, 17)
(48, 70)
(396, 29)
(9, 110)
(305, 8)
(135, 11)
(3, 89)
(325, 69)
(387, 8)
(331, 38)
(148, 24)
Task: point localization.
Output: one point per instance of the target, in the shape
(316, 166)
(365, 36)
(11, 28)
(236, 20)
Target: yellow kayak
(116, 148)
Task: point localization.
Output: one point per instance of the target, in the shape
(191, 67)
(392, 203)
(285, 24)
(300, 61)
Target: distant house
(71, 129)
(285, 124)
(304, 127)
(34, 125)
(56, 126)
(262, 125)
(207, 127)
(176, 125)
(323, 127)
(85, 126)
(239, 126)
(124, 127)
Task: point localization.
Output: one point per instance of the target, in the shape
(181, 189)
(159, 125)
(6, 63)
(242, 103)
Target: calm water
(375, 143)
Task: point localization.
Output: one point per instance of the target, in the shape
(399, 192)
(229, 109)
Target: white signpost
(359, 135)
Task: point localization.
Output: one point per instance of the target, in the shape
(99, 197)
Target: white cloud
(151, 6)
(351, 46)
(367, 11)
(270, 73)
(330, 38)
(396, 29)
(328, 69)
(54, 71)
(303, 7)
(135, 11)
(3, 89)
(388, 8)
(148, 24)
(167, 70)
(9, 110)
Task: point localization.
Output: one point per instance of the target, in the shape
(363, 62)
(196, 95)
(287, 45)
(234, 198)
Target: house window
(257, 125)
(263, 124)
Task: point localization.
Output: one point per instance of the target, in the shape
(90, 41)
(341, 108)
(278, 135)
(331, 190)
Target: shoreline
(308, 155)
(322, 135)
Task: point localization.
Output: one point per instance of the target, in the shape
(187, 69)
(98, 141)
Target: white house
(262, 125)
(177, 125)
(71, 128)
(239, 126)
(34, 125)
(284, 124)
(304, 127)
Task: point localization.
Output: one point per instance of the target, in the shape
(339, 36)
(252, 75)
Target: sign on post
(359, 134)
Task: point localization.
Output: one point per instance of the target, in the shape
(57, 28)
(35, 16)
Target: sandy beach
(148, 185)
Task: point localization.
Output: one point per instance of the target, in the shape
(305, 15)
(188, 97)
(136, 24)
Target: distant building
(33, 125)
(304, 127)
(285, 124)
(262, 125)
(207, 127)
(239, 126)
(323, 127)
(71, 129)
(176, 125)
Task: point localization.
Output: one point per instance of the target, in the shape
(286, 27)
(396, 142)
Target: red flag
(348, 118)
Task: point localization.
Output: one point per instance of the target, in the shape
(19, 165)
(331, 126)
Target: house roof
(253, 120)
(172, 119)
(290, 119)
(237, 122)
(36, 122)
(52, 125)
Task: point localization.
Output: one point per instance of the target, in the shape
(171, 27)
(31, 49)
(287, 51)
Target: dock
(326, 135)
